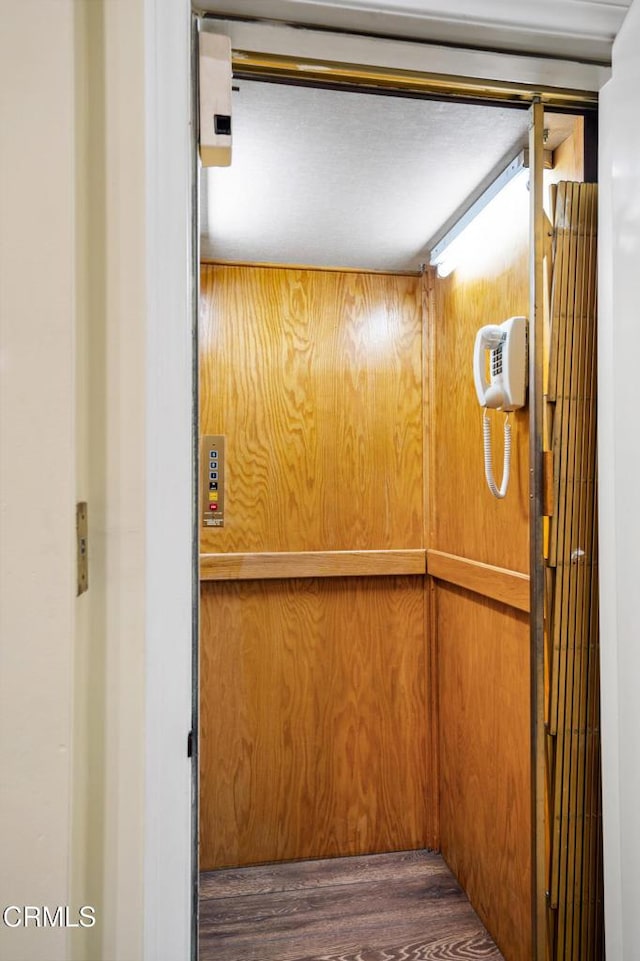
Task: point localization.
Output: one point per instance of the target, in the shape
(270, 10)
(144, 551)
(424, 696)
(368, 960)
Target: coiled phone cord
(488, 456)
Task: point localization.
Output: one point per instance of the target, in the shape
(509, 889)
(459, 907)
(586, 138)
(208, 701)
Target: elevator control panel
(212, 487)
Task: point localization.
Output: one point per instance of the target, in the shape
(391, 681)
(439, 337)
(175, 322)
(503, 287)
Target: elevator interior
(364, 643)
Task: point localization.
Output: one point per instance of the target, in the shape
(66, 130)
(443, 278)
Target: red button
(213, 506)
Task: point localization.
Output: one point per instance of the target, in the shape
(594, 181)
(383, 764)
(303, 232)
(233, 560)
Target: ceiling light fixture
(449, 248)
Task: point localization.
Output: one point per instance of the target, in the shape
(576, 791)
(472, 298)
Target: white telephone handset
(506, 388)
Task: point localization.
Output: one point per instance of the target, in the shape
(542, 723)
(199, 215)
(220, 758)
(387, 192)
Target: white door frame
(170, 359)
(170, 353)
(618, 472)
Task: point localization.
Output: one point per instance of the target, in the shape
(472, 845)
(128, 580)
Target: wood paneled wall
(315, 378)
(482, 646)
(316, 732)
(465, 518)
(568, 158)
(314, 735)
(485, 782)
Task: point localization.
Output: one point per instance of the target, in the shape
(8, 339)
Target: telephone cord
(488, 456)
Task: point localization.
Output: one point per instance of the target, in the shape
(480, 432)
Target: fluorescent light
(482, 221)
(447, 263)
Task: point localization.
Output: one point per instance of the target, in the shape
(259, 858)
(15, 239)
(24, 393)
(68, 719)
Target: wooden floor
(384, 907)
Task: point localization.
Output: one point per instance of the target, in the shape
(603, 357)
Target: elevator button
(212, 460)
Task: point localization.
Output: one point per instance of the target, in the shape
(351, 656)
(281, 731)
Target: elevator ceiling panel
(334, 178)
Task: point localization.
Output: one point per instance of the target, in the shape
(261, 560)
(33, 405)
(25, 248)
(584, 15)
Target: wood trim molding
(269, 265)
(288, 564)
(508, 587)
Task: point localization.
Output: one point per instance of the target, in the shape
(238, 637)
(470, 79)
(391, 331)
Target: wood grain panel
(485, 791)
(568, 157)
(220, 262)
(508, 587)
(314, 736)
(465, 519)
(482, 645)
(315, 379)
(243, 567)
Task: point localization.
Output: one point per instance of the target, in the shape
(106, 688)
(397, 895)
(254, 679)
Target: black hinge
(190, 744)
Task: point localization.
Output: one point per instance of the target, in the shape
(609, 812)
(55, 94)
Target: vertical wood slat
(586, 574)
(558, 325)
(586, 570)
(558, 321)
(575, 817)
(572, 575)
(558, 293)
(575, 930)
(564, 443)
(562, 530)
(573, 807)
(566, 595)
(558, 684)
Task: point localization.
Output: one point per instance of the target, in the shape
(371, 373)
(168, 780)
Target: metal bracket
(82, 542)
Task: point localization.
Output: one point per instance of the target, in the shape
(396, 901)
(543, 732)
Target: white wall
(73, 304)
(619, 470)
(36, 465)
(88, 771)
(37, 307)
(107, 840)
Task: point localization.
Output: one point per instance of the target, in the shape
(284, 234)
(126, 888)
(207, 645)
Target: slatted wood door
(314, 689)
(575, 899)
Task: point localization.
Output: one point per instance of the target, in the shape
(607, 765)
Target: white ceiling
(337, 178)
(575, 29)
